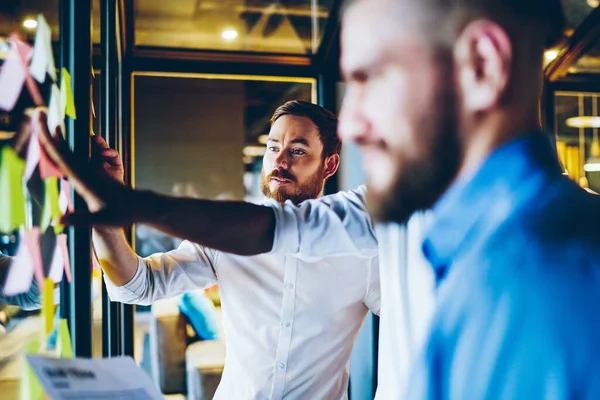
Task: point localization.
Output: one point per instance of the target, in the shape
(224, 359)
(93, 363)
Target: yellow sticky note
(12, 197)
(30, 387)
(63, 344)
(51, 211)
(67, 93)
(48, 306)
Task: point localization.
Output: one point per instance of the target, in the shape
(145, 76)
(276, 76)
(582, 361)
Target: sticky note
(48, 306)
(58, 264)
(20, 273)
(64, 199)
(30, 387)
(51, 210)
(32, 239)
(61, 243)
(64, 346)
(33, 155)
(12, 197)
(42, 61)
(56, 111)
(12, 78)
(25, 52)
(67, 94)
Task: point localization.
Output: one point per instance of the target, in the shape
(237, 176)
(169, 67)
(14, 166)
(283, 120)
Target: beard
(421, 178)
(311, 189)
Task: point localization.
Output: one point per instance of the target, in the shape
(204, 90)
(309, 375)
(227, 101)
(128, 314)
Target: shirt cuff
(286, 239)
(132, 289)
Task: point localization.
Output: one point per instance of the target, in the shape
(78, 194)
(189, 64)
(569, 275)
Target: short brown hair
(325, 121)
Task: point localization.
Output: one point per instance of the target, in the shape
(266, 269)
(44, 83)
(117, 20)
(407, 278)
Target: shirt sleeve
(335, 225)
(164, 275)
(373, 295)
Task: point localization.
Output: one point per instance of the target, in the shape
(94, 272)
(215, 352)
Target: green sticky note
(63, 345)
(30, 387)
(12, 197)
(51, 211)
(67, 94)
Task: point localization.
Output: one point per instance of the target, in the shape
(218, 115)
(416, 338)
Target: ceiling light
(254, 151)
(550, 55)
(30, 23)
(583, 122)
(262, 139)
(593, 3)
(229, 34)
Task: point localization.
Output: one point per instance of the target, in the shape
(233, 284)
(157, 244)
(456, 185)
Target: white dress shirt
(290, 316)
(407, 303)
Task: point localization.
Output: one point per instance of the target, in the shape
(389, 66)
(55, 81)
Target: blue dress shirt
(516, 253)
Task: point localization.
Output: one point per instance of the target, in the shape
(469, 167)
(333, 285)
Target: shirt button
(281, 365)
(289, 285)
(287, 324)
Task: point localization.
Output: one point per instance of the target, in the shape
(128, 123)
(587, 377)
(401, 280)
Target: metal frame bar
(111, 340)
(581, 41)
(76, 56)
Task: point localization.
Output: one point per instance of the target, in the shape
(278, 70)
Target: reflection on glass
(20, 16)
(576, 129)
(190, 140)
(293, 27)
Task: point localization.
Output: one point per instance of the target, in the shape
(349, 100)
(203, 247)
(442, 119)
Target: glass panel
(577, 136)
(190, 138)
(293, 26)
(589, 63)
(18, 15)
(577, 10)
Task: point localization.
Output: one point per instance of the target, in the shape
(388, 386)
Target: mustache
(376, 143)
(281, 174)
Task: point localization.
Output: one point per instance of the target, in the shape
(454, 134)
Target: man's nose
(353, 126)
(282, 161)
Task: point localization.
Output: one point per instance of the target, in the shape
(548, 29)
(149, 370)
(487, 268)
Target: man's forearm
(118, 261)
(229, 226)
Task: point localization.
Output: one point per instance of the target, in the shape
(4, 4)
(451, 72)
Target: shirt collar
(467, 207)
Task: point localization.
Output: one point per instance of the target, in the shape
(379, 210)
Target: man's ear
(483, 56)
(331, 165)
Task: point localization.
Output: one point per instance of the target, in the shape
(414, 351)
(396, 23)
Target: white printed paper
(97, 379)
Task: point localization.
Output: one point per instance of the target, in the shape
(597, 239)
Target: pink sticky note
(62, 244)
(32, 239)
(47, 167)
(20, 273)
(33, 155)
(64, 199)
(12, 77)
(25, 52)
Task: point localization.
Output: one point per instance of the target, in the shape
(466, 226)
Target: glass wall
(200, 136)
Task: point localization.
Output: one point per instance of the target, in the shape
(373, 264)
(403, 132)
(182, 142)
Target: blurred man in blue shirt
(443, 99)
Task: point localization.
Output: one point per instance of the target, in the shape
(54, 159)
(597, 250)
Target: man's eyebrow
(273, 140)
(300, 141)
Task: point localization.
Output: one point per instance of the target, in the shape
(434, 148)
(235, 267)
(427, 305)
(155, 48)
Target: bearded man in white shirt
(290, 319)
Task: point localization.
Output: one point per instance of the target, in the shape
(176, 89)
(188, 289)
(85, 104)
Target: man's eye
(298, 152)
(272, 148)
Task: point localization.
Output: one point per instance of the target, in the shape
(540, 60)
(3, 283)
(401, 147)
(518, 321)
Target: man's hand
(106, 159)
(109, 201)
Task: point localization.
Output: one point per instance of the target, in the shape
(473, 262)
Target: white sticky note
(58, 265)
(12, 78)
(33, 155)
(43, 59)
(56, 110)
(20, 274)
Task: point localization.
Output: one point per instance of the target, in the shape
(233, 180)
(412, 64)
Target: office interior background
(185, 89)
